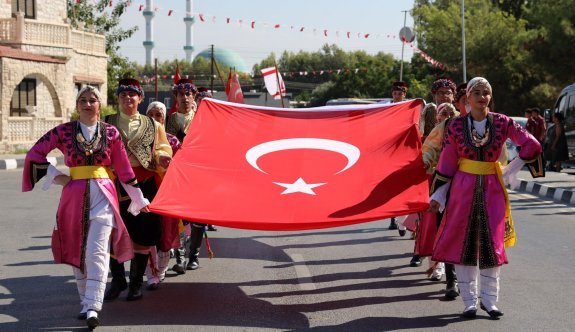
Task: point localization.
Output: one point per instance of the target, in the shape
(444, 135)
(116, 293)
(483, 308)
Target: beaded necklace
(88, 147)
(476, 139)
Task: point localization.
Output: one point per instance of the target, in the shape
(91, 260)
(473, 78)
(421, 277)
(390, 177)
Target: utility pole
(463, 40)
(402, 46)
(156, 80)
(212, 70)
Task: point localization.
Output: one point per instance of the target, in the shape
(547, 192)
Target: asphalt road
(353, 278)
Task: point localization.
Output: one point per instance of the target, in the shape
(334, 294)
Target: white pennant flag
(271, 78)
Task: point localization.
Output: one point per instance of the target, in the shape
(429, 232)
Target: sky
(381, 19)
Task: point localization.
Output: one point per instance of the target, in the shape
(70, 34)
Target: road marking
(302, 272)
(11, 164)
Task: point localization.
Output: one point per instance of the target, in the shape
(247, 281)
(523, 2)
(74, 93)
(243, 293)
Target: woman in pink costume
(477, 224)
(88, 221)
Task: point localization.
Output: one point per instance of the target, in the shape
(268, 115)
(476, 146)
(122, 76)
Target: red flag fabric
(234, 90)
(266, 168)
(177, 77)
(229, 83)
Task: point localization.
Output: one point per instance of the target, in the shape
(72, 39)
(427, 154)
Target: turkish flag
(233, 89)
(267, 168)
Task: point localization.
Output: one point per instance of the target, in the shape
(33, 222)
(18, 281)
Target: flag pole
(219, 74)
(278, 82)
(156, 80)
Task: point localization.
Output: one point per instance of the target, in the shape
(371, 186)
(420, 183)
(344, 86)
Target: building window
(28, 7)
(24, 95)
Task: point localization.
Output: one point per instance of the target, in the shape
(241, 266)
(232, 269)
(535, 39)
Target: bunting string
(252, 24)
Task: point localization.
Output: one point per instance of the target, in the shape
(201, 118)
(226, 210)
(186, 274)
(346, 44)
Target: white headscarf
(158, 105)
(89, 88)
(475, 82)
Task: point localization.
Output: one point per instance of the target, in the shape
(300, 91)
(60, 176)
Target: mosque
(227, 57)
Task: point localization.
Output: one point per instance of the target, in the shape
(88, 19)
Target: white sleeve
(510, 173)
(440, 195)
(52, 173)
(138, 199)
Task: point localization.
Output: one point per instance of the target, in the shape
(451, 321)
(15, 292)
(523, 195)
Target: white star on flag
(299, 186)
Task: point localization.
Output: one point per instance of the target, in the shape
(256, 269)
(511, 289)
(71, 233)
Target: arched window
(24, 96)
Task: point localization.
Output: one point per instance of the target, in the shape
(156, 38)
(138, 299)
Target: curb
(556, 194)
(6, 164)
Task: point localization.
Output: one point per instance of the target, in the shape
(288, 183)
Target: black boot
(180, 266)
(119, 283)
(392, 224)
(137, 270)
(452, 289)
(195, 245)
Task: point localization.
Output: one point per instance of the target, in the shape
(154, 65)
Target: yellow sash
(91, 172)
(490, 167)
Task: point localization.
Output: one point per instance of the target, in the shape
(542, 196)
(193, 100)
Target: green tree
(553, 25)
(97, 16)
(494, 47)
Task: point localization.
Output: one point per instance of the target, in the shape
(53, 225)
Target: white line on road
(302, 272)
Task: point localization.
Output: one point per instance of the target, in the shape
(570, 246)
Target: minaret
(189, 20)
(149, 42)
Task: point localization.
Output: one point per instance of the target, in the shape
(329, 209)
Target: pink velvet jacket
(473, 225)
(70, 233)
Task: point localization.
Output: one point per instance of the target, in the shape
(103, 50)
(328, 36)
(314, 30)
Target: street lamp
(463, 39)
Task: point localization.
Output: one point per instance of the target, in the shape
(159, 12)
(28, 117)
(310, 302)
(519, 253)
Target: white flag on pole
(271, 80)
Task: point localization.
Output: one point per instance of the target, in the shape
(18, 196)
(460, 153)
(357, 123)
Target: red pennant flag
(177, 77)
(170, 12)
(277, 26)
(78, 1)
(228, 20)
(202, 18)
(229, 82)
(110, 3)
(234, 90)
(253, 24)
(348, 34)
(366, 35)
(275, 169)
(140, 8)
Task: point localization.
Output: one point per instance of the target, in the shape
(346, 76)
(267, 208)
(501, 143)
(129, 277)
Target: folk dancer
(171, 227)
(398, 93)
(150, 154)
(477, 226)
(178, 124)
(88, 221)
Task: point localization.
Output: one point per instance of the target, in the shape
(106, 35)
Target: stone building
(43, 63)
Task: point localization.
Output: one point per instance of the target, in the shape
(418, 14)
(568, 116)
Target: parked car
(566, 104)
(512, 148)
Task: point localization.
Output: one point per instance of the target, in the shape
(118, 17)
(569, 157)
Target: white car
(512, 148)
